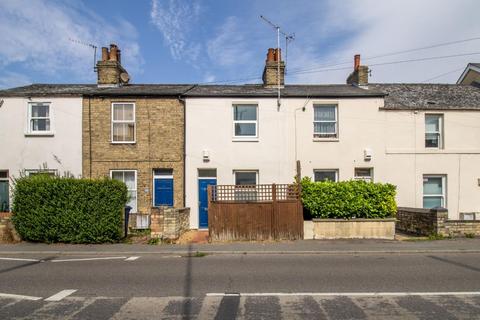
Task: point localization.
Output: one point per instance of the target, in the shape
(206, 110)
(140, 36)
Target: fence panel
(255, 212)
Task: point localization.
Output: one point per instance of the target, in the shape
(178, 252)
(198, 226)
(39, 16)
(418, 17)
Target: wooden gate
(255, 212)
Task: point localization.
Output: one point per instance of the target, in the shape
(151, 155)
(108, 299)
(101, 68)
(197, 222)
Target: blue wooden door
(203, 200)
(163, 192)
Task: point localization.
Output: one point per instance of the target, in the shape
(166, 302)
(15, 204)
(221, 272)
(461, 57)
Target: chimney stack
(109, 70)
(359, 76)
(272, 65)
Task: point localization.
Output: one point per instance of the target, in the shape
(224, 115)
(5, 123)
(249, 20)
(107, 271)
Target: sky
(206, 41)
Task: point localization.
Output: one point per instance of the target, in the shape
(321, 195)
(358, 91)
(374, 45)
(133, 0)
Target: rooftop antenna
(94, 47)
(288, 38)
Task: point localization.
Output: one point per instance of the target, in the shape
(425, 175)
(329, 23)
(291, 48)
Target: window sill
(39, 134)
(238, 139)
(326, 140)
(121, 142)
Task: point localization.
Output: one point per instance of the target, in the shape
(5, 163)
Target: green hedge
(54, 209)
(349, 199)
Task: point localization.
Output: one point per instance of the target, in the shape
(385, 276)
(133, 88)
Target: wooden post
(210, 218)
(298, 176)
(274, 210)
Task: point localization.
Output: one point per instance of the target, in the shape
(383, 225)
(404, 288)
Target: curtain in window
(324, 113)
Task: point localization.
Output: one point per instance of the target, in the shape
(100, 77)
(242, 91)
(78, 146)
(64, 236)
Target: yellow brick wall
(159, 125)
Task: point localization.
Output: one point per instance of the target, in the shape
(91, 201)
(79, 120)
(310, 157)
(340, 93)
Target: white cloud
(174, 19)
(230, 46)
(35, 34)
(376, 27)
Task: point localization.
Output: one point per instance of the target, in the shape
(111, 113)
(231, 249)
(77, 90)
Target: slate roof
(189, 90)
(289, 91)
(415, 96)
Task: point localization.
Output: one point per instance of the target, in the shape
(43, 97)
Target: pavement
(274, 247)
(358, 279)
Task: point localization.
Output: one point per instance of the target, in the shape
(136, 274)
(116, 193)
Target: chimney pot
(104, 53)
(278, 55)
(113, 52)
(356, 63)
(270, 55)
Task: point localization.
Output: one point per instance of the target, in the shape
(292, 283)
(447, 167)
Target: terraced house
(135, 133)
(169, 142)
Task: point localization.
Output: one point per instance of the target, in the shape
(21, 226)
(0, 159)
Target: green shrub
(54, 209)
(348, 199)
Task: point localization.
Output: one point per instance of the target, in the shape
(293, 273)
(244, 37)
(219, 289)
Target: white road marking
(19, 259)
(88, 259)
(60, 295)
(131, 258)
(18, 296)
(347, 294)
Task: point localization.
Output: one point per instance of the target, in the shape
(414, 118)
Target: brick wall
(169, 223)
(434, 221)
(159, 143)
(7, 230)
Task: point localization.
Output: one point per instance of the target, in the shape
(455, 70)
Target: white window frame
(326, 170)
(444, 188)
(439, 133)
(320, 105)
(245, 171)
(245, 104)
(136, 184)
(134, 121)
(28, 172)
(367, 179)
(29, 130)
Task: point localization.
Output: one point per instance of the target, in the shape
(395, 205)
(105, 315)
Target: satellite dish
(124, 77)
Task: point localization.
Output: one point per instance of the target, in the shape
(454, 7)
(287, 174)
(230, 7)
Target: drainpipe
(90, 135)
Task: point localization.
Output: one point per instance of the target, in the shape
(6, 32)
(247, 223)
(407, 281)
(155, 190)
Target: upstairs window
(325, 124)
(434, 131)
(39, 118)
(245, 121)
(123, 122)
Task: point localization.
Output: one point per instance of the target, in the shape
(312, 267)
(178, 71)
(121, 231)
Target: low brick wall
(170, 223)
(7, 230)
(426, 222)
(354, 229)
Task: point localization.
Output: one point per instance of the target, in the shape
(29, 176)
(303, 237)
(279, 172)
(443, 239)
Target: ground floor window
(325, 175)
(129, 177)
(434, 187)
(4, 191)
(365, 174)
(245, 182)
(33, 172)
(245, 177)
(163, 187)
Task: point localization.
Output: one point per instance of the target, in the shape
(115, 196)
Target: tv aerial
(94, 47)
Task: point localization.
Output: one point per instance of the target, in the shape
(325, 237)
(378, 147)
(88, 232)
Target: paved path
(247, 307)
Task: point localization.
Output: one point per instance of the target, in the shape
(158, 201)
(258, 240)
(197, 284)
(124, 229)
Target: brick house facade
(159, 142)
(135, 133)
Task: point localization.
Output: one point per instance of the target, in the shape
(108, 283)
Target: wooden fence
(255, 212)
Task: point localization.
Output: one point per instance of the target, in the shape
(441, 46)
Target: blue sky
(179, 41)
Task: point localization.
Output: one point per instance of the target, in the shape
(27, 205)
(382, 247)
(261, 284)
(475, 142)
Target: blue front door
(203, 200)
(163, 192)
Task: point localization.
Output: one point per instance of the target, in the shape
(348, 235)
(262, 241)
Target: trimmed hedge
(54, 209)
(348, 199)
